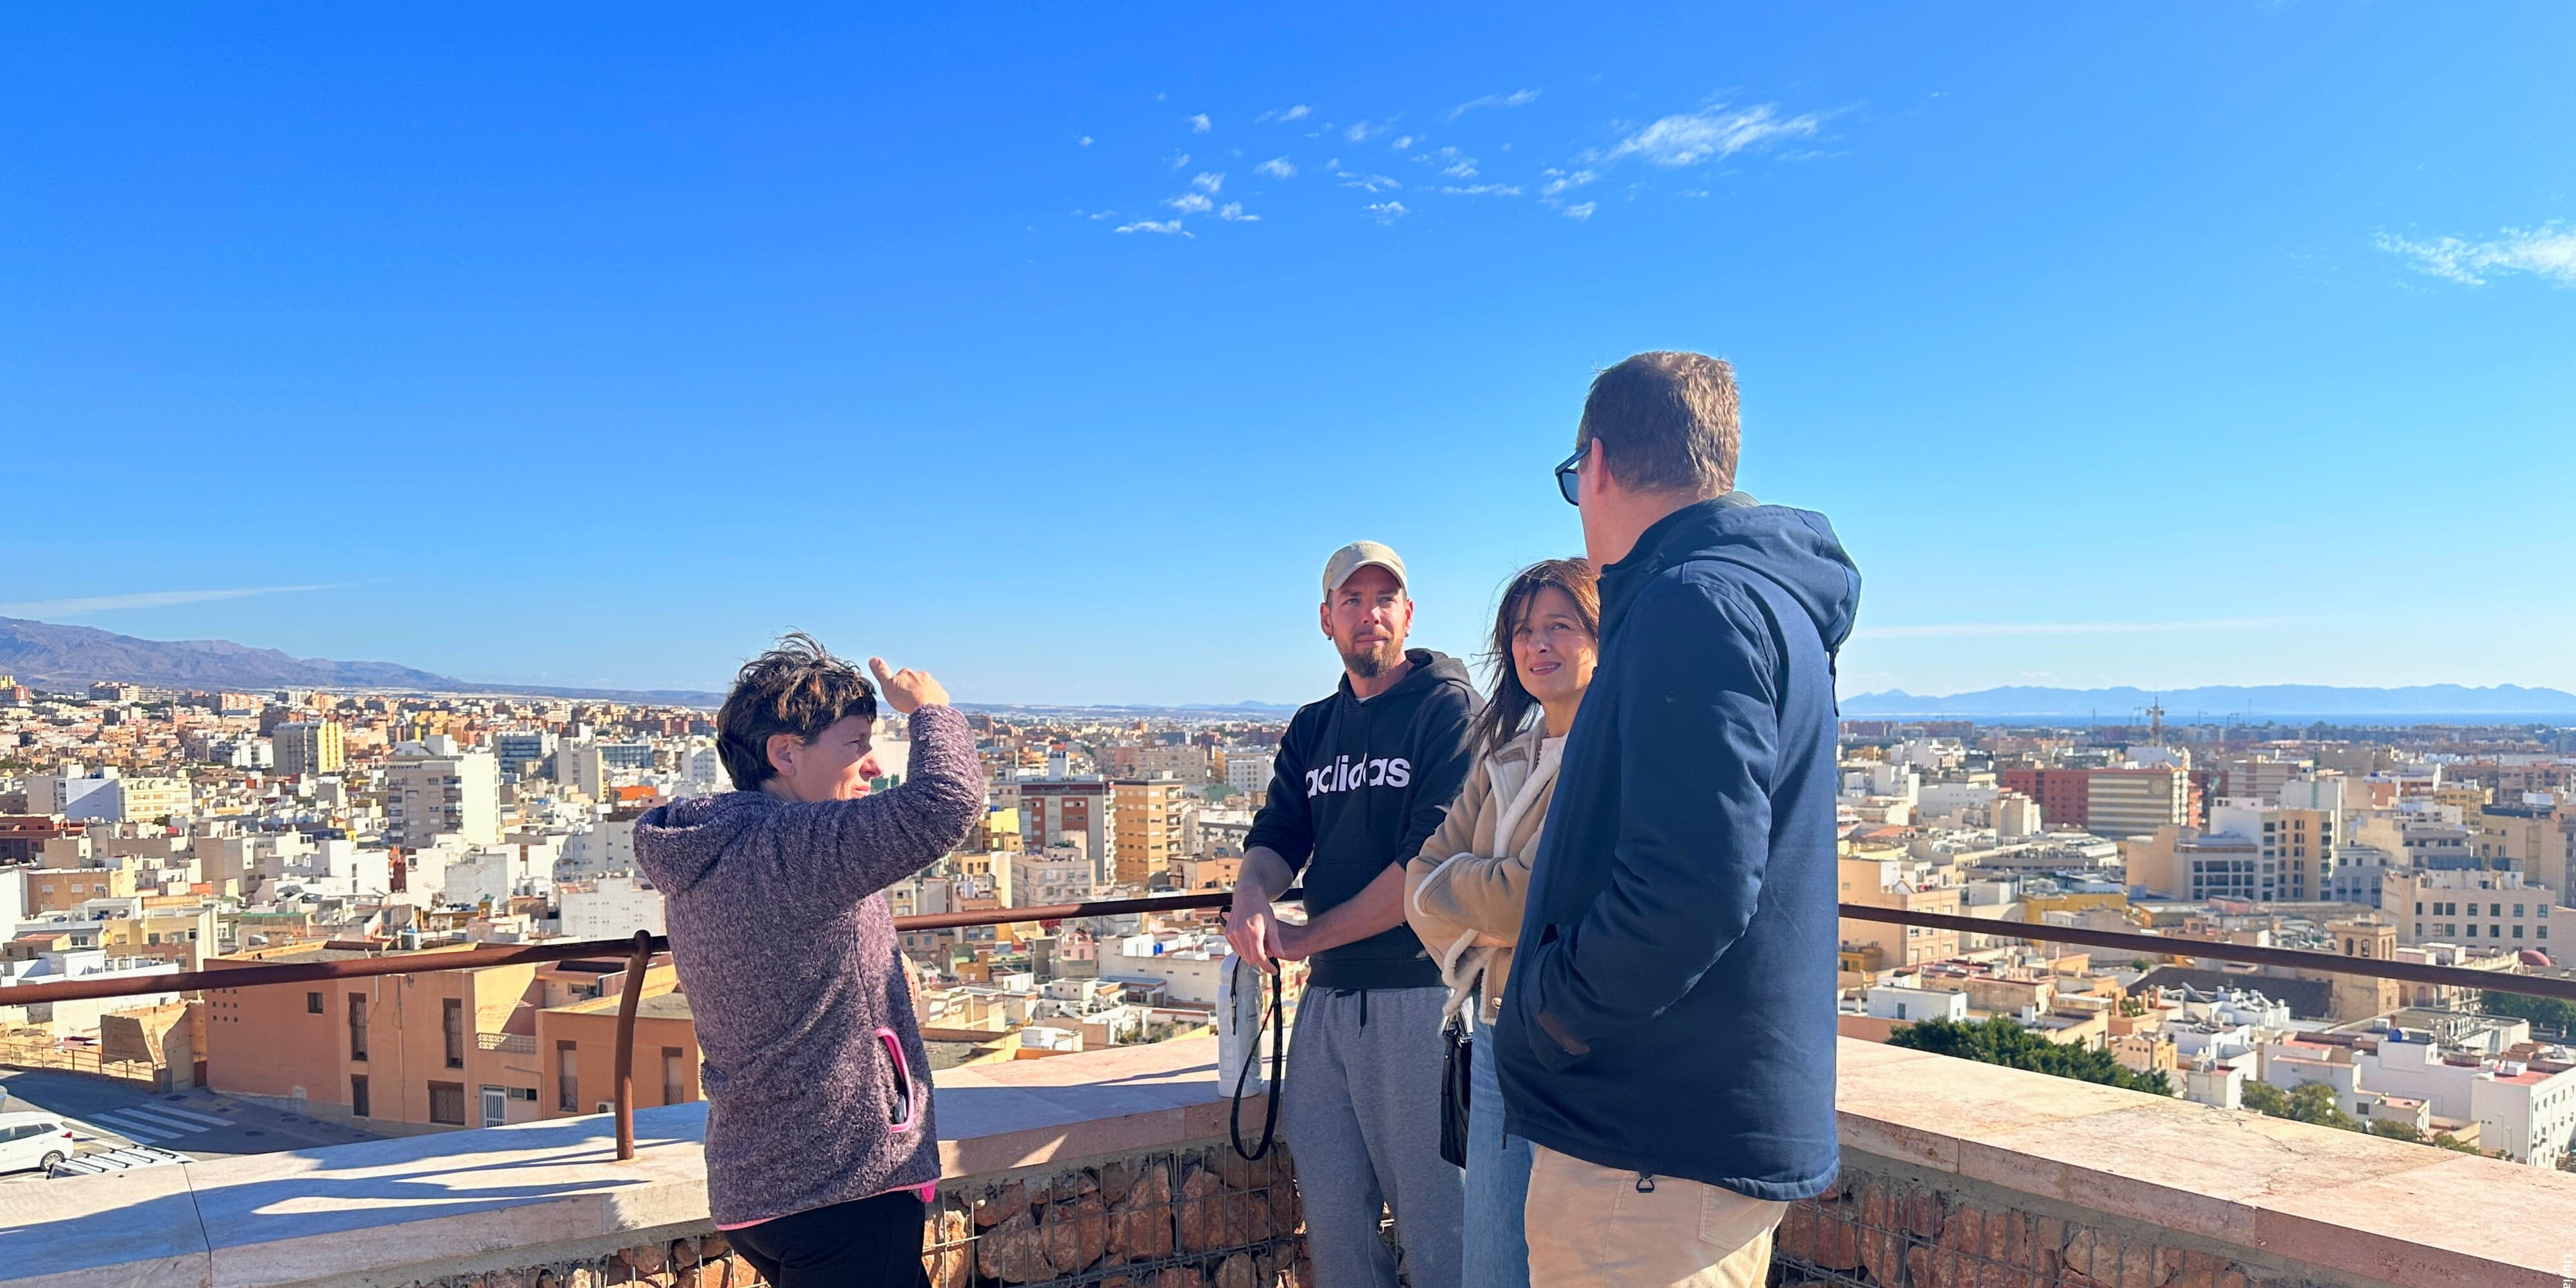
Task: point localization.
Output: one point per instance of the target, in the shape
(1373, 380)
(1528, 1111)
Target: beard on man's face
(1375, 660)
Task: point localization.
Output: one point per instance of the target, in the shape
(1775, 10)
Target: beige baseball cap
(1355, 556)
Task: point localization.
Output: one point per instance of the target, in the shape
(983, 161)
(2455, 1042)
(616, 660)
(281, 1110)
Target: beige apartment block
(1153, 827)
(1890, 879)
(391, 1053)
(66, 889)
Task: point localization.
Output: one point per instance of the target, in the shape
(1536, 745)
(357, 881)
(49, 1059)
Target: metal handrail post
(629, 998)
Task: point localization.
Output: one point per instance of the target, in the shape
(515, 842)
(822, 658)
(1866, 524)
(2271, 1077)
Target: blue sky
(2229, 344)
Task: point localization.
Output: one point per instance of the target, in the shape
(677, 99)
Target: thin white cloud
(1517, 98)
(2547, 252)
(1206, 182)
(1297, 113)
(1559, 181)
(1452, 162)
(1277, 168)
(1167, 227)
(1369, 183)
(1402, 142)
(143, 599)
(1484, 190)
(1232, 212)
(1181, 162)
(1713, 134)
(1200, 124)
(1580, 212)
(1363, 131)
(1997, 630)
(1386, 212)
(1190, 203)
(1083, 142)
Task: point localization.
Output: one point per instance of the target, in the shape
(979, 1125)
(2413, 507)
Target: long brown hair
(1503, 717)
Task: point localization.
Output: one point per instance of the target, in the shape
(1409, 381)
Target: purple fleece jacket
(779, 928)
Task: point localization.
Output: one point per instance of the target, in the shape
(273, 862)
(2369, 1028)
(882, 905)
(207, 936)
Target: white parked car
(30, 1139)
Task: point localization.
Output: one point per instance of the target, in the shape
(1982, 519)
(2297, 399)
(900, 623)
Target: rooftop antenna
(2156, 720)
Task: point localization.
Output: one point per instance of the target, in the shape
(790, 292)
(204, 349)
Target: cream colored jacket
(1473, 874)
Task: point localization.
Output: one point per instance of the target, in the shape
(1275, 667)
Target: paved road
(197, 1123)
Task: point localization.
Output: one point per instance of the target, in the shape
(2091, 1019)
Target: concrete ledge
(396, 1211)
(2339, 1202)
(2337, 1206)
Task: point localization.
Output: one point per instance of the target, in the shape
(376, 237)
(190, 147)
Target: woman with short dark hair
(820, 1147)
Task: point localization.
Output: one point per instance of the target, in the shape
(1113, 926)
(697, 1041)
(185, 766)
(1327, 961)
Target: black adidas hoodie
(1358, 788)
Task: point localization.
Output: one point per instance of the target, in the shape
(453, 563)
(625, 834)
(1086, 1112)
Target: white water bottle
(1238, 1028)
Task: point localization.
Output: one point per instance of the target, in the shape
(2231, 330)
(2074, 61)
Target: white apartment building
(606, 848)
(2423, 835)
(69, 1019)
(1247, 769)
(106, 796)
(2136, 802)
(2473, 909)
(434, 788)
(1907, 1003)
(1032, 878)
(2294, 848)
(2523, 1109)
(609, 907)
(1187, 965)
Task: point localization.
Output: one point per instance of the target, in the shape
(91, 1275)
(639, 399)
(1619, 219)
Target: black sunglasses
(1569, 477)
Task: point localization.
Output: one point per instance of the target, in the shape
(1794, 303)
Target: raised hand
(907, 690)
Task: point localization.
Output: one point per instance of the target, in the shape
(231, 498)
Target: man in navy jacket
(1667, 1040)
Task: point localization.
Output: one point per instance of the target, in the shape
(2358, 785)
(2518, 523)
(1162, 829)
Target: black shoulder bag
(1457, 1058)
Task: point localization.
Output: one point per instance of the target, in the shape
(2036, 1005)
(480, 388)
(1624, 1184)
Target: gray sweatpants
(1362, 1110)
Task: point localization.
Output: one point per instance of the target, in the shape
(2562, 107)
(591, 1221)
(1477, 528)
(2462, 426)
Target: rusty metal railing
(638, 952)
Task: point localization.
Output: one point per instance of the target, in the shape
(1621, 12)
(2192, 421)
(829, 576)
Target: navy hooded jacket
(1671, 1008)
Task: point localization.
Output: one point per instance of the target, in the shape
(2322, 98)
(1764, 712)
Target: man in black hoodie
(1362, 780)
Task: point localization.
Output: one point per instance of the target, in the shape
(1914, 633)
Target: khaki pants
(1589, 1225)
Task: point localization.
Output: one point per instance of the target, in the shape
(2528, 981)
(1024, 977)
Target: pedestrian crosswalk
(145, 1126)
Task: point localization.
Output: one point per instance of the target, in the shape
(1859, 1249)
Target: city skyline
(2161, 355)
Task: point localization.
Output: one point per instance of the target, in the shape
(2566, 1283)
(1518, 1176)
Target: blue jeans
(1498, 1172)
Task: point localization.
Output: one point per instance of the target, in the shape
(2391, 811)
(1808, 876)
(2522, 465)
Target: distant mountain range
(43, 654)
(2220, 702)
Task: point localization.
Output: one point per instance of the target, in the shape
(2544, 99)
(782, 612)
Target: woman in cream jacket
(1463, 892)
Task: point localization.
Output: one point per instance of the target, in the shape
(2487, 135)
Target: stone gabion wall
(1171, 1219)
(1197, 1217)
(1883, 1231)
(705, 1261)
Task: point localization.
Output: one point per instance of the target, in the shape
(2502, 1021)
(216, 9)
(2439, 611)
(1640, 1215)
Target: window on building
(451, 1025)
(447, 1103)
(357, 1026)
(568, 1077)
(313, 1004)
(2495, 932)
(359, 1105)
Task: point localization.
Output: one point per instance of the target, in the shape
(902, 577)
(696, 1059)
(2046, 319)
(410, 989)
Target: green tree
(2266, 1099)
(2543, 1012)
(2314, 1102)
(2396, 1130)
(2001, 1041)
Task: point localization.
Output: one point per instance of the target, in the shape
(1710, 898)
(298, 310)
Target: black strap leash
(1278, 1064)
